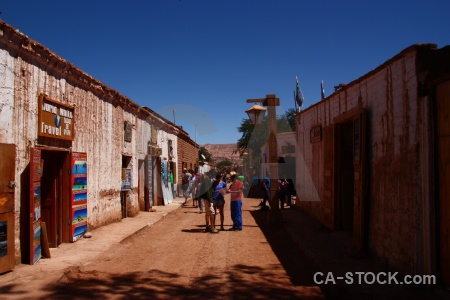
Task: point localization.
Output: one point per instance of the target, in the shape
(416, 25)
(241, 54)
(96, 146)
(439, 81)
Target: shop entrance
(7, 204)
(443, 169)
(344, 177)
(141, 185)
(55, 196)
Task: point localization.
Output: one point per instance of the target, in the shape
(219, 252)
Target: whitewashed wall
(99, 123)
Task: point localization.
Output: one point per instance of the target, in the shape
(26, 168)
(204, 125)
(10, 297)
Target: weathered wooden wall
(28, 69)
(390, 97)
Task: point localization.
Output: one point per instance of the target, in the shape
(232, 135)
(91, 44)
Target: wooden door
(7, 177)
(66, 201)
(79, 195)
(7, 185)
(359, 137)
(36, 166)
(141, 184)
(49, 195)
(157, 187)
(443, 165)
(329, 191)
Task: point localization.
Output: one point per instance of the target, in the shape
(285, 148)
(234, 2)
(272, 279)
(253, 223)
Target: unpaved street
(176, 259)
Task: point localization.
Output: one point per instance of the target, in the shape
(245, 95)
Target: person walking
(266, 191)
(185, 184)
(285, 196)
(219, 186)
(191, 188)
(195, 201)
(172, 183)
(235, 191)
(206, 191)
(254, 191)
(201, 178)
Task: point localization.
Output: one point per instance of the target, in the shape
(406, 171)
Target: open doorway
(443, 187)
(55, 195)
(344, 145)
(344, 177)
(126, 184)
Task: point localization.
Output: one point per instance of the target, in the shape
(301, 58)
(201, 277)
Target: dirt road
(176, 259)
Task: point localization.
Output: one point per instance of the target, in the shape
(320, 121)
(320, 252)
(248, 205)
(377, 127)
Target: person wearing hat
(235, 191)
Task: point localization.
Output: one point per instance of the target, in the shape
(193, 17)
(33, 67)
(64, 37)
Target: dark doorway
(345, 176)
(443, 169)
(52, 195)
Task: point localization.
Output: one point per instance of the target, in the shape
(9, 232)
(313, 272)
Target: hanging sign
(55, 119)
(154, 151)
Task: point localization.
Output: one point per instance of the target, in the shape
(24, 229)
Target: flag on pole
(322, 90)
(298, 95)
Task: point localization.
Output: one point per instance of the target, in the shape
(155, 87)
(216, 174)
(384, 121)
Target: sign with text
(154, 151)
(55, 119)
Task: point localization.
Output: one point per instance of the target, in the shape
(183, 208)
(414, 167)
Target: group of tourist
(208, 191)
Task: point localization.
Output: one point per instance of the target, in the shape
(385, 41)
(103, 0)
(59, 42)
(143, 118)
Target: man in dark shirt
(206, 191)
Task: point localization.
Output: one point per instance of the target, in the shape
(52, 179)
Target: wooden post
(44, 241)
(271, 101)
(275, 217)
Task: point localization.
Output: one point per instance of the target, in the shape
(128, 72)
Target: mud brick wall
(389, 95)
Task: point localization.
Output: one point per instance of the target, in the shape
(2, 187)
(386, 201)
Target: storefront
(7, 204)
(58, 182)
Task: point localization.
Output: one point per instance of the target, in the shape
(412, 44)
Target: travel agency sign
(55, 119)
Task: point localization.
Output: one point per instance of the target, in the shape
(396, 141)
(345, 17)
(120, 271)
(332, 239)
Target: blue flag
(322, 90)
(298, 95)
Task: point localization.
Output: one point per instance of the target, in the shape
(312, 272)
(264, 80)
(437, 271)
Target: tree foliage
(255, 136)
(223, 163)
(205, 153)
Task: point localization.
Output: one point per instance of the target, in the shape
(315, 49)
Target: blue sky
(205, 58)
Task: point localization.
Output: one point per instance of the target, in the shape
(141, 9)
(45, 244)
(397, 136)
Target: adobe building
(74, 153)
(373, 160)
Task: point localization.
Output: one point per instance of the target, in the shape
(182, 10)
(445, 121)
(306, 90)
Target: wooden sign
(55, 119)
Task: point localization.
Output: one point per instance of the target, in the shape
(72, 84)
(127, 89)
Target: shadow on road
(297, 266)
(154, 284)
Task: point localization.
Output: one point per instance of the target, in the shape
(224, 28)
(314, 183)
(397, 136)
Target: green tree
(290, 118)
(254, 136)
(203, 151)
(223, 163)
